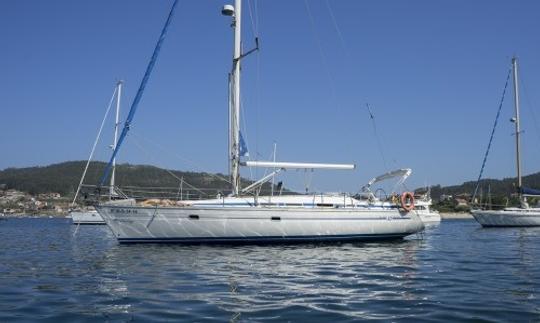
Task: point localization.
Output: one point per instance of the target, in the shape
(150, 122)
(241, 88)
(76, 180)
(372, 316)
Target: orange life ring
(407, 196)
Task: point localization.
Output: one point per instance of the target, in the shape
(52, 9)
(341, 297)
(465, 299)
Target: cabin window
(325, 204)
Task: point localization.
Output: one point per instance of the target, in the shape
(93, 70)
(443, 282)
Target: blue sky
(432, 72)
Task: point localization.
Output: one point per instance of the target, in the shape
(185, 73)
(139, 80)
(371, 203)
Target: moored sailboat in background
(524, 215)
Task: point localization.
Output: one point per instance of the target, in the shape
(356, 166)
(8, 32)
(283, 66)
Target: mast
(273, 177)
(516, 121)
(234, 105)
(115, 140)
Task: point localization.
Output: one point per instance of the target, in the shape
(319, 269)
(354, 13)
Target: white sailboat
(524, 215)
(90, 215)
(246, 217)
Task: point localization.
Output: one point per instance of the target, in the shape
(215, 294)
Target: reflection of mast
(233, 288)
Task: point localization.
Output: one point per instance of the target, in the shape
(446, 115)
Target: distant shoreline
(456, 216)
(61, 215)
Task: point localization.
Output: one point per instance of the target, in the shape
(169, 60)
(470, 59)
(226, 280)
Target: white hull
(511, 217)
(424, 211)
(248, 224)
(86, 217)
(429, 217)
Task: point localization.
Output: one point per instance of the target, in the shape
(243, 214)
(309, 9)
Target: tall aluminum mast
(516, 121)
(115, 140)
(234, 119)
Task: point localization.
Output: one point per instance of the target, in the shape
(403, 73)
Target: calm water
(458, 271)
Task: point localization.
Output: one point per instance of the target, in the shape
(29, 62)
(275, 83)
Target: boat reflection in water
(239, 282)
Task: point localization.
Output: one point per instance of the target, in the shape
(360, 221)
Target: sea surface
(455, 271)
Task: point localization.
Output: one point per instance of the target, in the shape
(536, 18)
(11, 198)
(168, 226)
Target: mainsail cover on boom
(530, 191)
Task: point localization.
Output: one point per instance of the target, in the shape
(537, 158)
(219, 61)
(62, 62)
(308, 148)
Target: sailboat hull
(256, 224)
(508, 218)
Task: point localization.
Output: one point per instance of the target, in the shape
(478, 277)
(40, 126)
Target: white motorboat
(246, 217)
(423, 204)
(524, 215)
(423, 210)
(86, 217)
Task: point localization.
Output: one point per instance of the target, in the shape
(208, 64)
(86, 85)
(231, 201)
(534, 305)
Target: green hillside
(64, 177)
(492, 193)
(504, 187)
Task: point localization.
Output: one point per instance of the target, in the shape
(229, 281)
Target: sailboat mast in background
(515, 119)
(115, 140)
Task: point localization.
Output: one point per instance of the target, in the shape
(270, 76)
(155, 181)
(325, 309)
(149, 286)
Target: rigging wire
(254, 18)
(254, 22)
(167, 170)
(321, 52)
(257, 100)
(94, 146)
(492, 135)
(349, 57)
(338, 30)
(378, 139)
(529, 107)
(308, 178)
(265, 172)
(187, 161)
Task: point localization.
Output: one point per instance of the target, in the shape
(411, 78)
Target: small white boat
(86, 217)
(423, 203)
(424, 211)
(523, 216)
